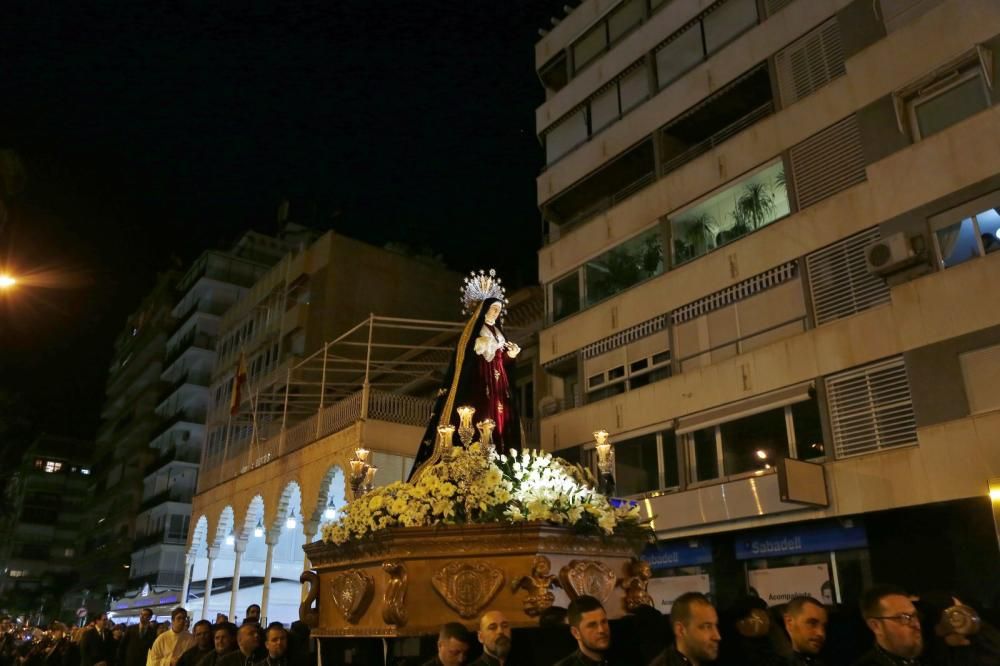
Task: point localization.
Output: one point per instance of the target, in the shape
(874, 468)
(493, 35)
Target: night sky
(151, 132)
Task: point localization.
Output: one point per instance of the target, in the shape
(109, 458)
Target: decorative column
(310, 532)
(212, 554)
(240, 547)
(271, 540)
(188, 566)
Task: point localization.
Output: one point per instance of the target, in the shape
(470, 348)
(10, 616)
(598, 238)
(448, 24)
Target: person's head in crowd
(892, 618)
(178, 620)
(805, 621)
(202, 631)
(57, 630)
(277, 641)
(117, 631)
(101, 622)
(588, 622)
(495, 635)
(253, 614)
(752, 618)
(220, 618)
(163, 627)
(145, 615)
(696, 627)
(454, 641)
(248, 638)
(225, 637)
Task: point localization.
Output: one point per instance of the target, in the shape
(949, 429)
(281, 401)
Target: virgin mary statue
(478, 373)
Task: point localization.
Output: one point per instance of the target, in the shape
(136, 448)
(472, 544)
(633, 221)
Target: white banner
(778, 586)
(665, 590)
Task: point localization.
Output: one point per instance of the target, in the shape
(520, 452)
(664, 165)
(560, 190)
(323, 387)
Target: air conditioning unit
(890, 254)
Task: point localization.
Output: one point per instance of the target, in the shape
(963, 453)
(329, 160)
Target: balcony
(172, 455)
(183, 415)
(169, 495)
(193, 378)
(207, 307)
(194, 339)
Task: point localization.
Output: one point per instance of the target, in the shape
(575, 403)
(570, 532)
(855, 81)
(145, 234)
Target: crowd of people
(794, 634)
(101, 642)
(902, 631)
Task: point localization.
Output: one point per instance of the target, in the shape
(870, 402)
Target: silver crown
(480, 286)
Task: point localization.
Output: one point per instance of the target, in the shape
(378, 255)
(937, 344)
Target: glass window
(590, 46)
(626, 17)
(735, 211)
(957, 243)
(953, 104)
(706, 456)
(754, 442)
(680, 55)
(634, 88)
(565, 296)
(637, 467)
(568, 134)
(671, 466)
(958, 240)
(604, 108)
(626, 265)
(728, 21)
(808, 431)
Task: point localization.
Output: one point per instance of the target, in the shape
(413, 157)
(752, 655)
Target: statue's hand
(513, 350)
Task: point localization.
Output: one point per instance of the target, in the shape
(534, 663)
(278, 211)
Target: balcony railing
(719, 137)
(172, 455)
(179, 416)
(208, 307)
(192, 339)
(274, 442)
(169, 495)
(189, 377)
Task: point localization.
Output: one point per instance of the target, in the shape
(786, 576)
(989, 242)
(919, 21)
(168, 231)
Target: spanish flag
(239, 379)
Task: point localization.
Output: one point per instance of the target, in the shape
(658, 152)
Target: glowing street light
(7, 281)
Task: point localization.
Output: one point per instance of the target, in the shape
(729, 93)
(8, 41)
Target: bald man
(494, 634)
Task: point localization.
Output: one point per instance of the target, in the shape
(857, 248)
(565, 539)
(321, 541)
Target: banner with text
(778, 586)
(665, 590)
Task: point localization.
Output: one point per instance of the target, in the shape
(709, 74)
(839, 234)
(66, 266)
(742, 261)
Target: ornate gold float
(409, 581)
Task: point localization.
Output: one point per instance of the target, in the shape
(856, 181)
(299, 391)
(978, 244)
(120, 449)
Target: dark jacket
(577, 658)
(194, 655)
(134, 646)
(237, 658)
(213, 658)
(879, 657)
(799, 659)
(95, 647)
(670, 657)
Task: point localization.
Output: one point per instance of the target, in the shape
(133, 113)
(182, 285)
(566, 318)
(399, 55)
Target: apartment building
(340, 343)
(40, 529)
(213, 283)
(771, 234)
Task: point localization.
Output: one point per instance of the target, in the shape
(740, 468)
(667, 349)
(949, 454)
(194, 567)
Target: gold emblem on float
(467, 586)
(352, 592)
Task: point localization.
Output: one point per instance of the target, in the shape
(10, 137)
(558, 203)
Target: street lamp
(7, 281)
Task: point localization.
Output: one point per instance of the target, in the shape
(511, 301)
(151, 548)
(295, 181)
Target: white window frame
(956, 215)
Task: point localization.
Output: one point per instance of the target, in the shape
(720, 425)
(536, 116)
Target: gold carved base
(410, 581)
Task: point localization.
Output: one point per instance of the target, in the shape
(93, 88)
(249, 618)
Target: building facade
(41, 528)
(215, 281)
(321, 336)
(770, 245)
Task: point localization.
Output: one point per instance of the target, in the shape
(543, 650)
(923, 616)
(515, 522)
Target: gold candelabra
(465, 430)
(485, 428)
(605, 462)
(362, 473)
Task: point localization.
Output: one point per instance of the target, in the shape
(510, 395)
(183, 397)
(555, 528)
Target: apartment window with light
(626, 265)
(756, 442)
(646, 463)
(967, 231)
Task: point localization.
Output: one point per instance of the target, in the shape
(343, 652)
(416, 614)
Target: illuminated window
(84, 471)
(52, 466)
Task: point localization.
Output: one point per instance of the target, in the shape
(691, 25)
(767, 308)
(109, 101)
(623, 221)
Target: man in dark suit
(138, 639)
(95, 644)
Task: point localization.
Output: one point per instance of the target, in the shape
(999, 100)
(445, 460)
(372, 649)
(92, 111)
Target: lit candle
(361, 453)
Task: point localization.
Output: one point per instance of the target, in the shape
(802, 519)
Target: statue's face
(493, 313)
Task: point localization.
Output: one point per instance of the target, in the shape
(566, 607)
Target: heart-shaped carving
(352, 592)
(467, 586)
(589, 577)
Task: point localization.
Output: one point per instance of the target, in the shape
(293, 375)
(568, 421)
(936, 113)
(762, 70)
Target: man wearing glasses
(893, 619)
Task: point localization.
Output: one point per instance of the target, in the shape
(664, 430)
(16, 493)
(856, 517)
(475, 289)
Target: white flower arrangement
(470, 487)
